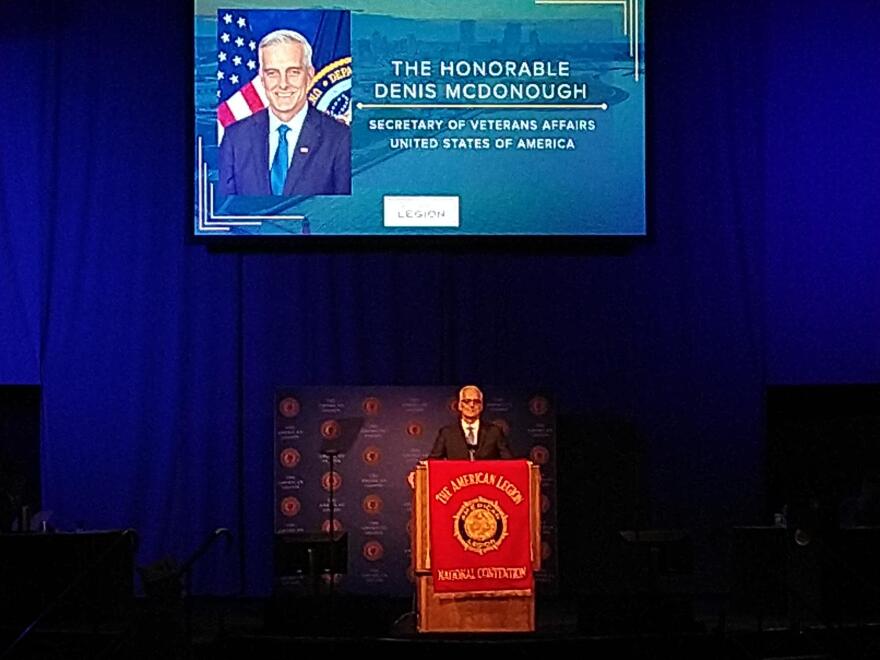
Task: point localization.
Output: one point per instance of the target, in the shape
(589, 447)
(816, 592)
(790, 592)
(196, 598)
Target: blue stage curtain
(158, 357)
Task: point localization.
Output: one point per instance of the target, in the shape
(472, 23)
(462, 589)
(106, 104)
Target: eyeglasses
(471, 401)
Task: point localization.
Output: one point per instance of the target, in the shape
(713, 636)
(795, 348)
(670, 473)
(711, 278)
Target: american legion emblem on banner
(479, 522)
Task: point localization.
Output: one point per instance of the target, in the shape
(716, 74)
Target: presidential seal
(480, 525)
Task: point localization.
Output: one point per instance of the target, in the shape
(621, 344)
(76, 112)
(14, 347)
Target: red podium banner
(479, 522)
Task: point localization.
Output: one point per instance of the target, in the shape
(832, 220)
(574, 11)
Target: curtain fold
(158, 357)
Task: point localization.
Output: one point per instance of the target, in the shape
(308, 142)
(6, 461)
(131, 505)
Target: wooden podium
(466, 611)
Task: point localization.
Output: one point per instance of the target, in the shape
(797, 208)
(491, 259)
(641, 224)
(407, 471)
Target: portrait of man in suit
(289, 147)
(470, 438)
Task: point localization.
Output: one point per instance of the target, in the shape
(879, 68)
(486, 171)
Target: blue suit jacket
(321, 162)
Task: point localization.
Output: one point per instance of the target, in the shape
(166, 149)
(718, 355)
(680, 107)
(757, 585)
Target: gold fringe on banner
(499, 593)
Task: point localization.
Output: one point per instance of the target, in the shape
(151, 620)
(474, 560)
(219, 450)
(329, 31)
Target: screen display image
(392, 117)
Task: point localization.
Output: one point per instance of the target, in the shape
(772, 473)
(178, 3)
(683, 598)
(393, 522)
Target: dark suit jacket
(451, 443)
(324, 168)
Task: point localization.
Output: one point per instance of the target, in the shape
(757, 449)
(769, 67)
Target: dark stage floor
(645, 626)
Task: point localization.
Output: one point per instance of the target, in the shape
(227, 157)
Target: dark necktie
(278, 171)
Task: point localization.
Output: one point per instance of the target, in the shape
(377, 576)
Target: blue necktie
(278, 171)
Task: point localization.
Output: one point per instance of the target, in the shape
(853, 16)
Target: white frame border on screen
(210, 224)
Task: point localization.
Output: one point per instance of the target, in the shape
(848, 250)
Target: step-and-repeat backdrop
(359, 444)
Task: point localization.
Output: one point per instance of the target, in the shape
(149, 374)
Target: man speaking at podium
(470, 438)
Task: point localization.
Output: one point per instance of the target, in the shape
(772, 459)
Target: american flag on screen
(239, 89)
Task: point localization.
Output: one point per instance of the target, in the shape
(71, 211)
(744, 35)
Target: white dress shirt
(295, 125)
(475, 425)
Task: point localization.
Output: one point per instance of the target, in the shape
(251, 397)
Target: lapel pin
(304, 150)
